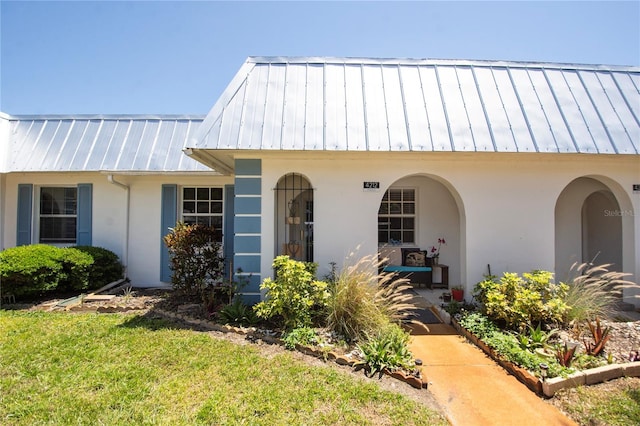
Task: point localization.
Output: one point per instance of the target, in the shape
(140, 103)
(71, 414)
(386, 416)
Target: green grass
(614, 404)
(58, 368)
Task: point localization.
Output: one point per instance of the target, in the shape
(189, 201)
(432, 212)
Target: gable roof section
(124, 144)
(386, 105)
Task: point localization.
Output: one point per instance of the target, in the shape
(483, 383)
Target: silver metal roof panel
(148, 144)
(354, 104)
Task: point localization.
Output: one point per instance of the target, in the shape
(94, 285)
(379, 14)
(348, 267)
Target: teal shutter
(228, 228)
(85, 214)
(25, 206)
(168, 219)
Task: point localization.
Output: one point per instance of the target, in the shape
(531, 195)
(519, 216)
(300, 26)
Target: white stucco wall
(506, 205)
(109, 214)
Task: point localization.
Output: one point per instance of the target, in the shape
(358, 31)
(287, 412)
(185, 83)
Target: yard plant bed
(624, 336)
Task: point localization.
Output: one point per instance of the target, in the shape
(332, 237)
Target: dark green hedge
(106, 266)
(40, 268)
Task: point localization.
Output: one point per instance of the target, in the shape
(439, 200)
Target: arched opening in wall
(414, 213)
(294, 217)
(588, 227)
(602, 230)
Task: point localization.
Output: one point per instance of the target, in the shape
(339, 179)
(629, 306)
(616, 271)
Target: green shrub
(237, 313)
(294, 296)
(522, 301)
(387, 350)
(195, 258)
(305, 336)
(34, 269)
(106, 266)
(76, 269)
(363, 302)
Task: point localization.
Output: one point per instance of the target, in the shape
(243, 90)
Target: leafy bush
(106, 266)
(593, 291)
(76, 269)
(33, 269)
(294, 296)
(522, 301)
(195, 257)
(237, 313)
(388, 350)
(300, 336)
(363, 302)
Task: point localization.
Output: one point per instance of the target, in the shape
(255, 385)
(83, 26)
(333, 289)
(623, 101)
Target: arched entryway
(588, 226)
(294, 217)
(416, 211)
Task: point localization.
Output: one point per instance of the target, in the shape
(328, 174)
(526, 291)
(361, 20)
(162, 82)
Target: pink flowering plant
(435, 251)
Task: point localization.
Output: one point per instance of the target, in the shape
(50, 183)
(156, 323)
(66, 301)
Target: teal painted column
(248, 227)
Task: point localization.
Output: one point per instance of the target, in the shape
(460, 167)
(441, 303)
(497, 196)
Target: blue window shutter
(25, 206)
(85, 214)
(228, 228)
(168, 219)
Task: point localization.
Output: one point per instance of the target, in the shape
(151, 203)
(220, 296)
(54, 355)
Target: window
(204, 206)
(58, 215)
(397, 216)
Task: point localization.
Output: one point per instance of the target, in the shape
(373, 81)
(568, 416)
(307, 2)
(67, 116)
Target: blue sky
(161, 57)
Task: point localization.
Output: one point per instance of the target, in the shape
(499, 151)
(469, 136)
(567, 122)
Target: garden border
(549, 387)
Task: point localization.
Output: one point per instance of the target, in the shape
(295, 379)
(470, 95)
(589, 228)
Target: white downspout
(125, 254)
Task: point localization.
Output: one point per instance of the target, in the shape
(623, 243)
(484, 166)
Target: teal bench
(415, 274)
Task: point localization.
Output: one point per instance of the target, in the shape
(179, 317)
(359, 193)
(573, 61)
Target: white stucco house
(519, 166)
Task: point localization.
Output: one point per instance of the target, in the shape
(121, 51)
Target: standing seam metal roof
(150, 144)
(352, 104)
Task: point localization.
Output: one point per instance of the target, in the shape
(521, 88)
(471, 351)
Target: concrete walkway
(471, 388)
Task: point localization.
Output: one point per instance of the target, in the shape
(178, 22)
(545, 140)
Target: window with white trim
(397, 217)
(58, 215)
(203, 205)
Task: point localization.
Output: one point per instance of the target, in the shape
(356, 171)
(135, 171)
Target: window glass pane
(216, 193)
(203, 207)
(57, 229)
(216, 222)
(188, 207)
(408, 195)
(395, 235)
(395, 223)
(383, 237)
(395, 208)
(395, 195)
(189, 193)
(216, 207)
(408, 237)
(203, 193)
(408, 223)
(408, 208)
(189, 220)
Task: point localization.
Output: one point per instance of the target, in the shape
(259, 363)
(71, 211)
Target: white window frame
(181, 209)
(38, 216)
(401, 215)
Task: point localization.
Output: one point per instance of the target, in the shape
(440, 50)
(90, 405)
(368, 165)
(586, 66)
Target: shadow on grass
(153, 320)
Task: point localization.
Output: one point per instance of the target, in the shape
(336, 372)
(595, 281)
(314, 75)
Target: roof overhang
(222, 164)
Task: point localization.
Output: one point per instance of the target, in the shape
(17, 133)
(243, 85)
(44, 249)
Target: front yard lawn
(59, 368)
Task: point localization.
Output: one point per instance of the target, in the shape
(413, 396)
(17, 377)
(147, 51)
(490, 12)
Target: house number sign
(371, 186)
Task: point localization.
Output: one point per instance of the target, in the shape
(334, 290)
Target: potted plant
(434, 252)
(457, 293)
